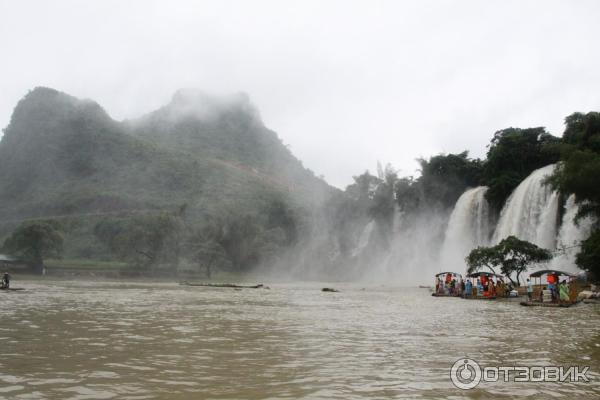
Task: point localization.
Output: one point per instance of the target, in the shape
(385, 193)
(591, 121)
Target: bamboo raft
(225, 285)
(480, 298)
(444, 295)
(540, 304)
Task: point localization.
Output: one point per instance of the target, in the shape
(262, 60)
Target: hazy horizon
(345, 84)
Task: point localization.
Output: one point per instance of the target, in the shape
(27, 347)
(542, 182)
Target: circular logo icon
(465, 373)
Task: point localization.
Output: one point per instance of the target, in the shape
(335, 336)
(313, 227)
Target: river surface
(107, 340)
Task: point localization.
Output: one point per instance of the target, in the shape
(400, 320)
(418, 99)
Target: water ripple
(102, 340)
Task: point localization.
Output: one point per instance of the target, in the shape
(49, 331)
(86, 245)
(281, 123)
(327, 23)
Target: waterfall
(530, 213)
(468, 228)
(365, 237)
(570, 236)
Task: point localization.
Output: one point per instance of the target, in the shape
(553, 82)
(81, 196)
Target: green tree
(363, 189)
(512, 155)
(578, 173)
(383, 204)
(204, 246)
(280, 215)
(518, 254)
(579, 170)
(409, 195)
(142, 241)
(483, 257)
(588, 258)
(583, 130)
(33, 242)
(512, 255)
(443, 179)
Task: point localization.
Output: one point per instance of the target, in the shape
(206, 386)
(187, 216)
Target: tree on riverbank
(483, 257)
(33, 242)
(588, 258)
(142, 241)
(578, 173)
(512, 255)
(205, 249)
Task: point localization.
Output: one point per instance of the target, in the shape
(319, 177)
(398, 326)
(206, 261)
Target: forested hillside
(201, 170)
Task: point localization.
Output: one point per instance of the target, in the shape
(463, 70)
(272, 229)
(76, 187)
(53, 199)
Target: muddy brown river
(107, 340)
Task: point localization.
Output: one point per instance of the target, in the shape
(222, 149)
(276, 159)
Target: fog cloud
(343, 83)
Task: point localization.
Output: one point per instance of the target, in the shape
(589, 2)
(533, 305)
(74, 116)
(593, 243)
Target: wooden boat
(540, 291)
(225, 285)
(540, 304)
(444, 295)
(441, 280)
(480, 298)
(12, 289)
(499, 291)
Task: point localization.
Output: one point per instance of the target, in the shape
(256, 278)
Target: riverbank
(68, 269)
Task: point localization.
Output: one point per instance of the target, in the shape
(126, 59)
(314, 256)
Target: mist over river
(103, 340)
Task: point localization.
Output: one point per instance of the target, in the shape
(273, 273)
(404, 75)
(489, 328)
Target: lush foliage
(443, 179)
(116, 188)
(511, 255)
(140, 240)
(33, 242)
(483, 257)
(512, 155)
(579, 174)
(588, 258)
(579, 170)
(204, 248)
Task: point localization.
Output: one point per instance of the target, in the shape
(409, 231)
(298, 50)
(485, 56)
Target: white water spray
(468, 227)
(530, 213)
(570, 237)
(365, 237)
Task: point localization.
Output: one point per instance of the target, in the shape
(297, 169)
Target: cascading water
(365, 237)
(570, 236)
(468, 228)
(530, 213)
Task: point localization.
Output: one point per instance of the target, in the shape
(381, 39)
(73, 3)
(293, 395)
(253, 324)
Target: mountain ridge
(57, 146)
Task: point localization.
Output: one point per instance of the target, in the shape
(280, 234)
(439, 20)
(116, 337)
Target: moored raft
(553, 293)
(225, 285)
(483, 286)
(540, 304)
(434, 294)
(480, 298)
(447, 284)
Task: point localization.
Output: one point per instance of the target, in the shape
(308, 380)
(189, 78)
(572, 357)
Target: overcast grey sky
(344, 83)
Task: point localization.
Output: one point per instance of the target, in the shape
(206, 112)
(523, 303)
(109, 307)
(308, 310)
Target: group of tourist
(559, 292)
(484, 286)
(491, 286)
